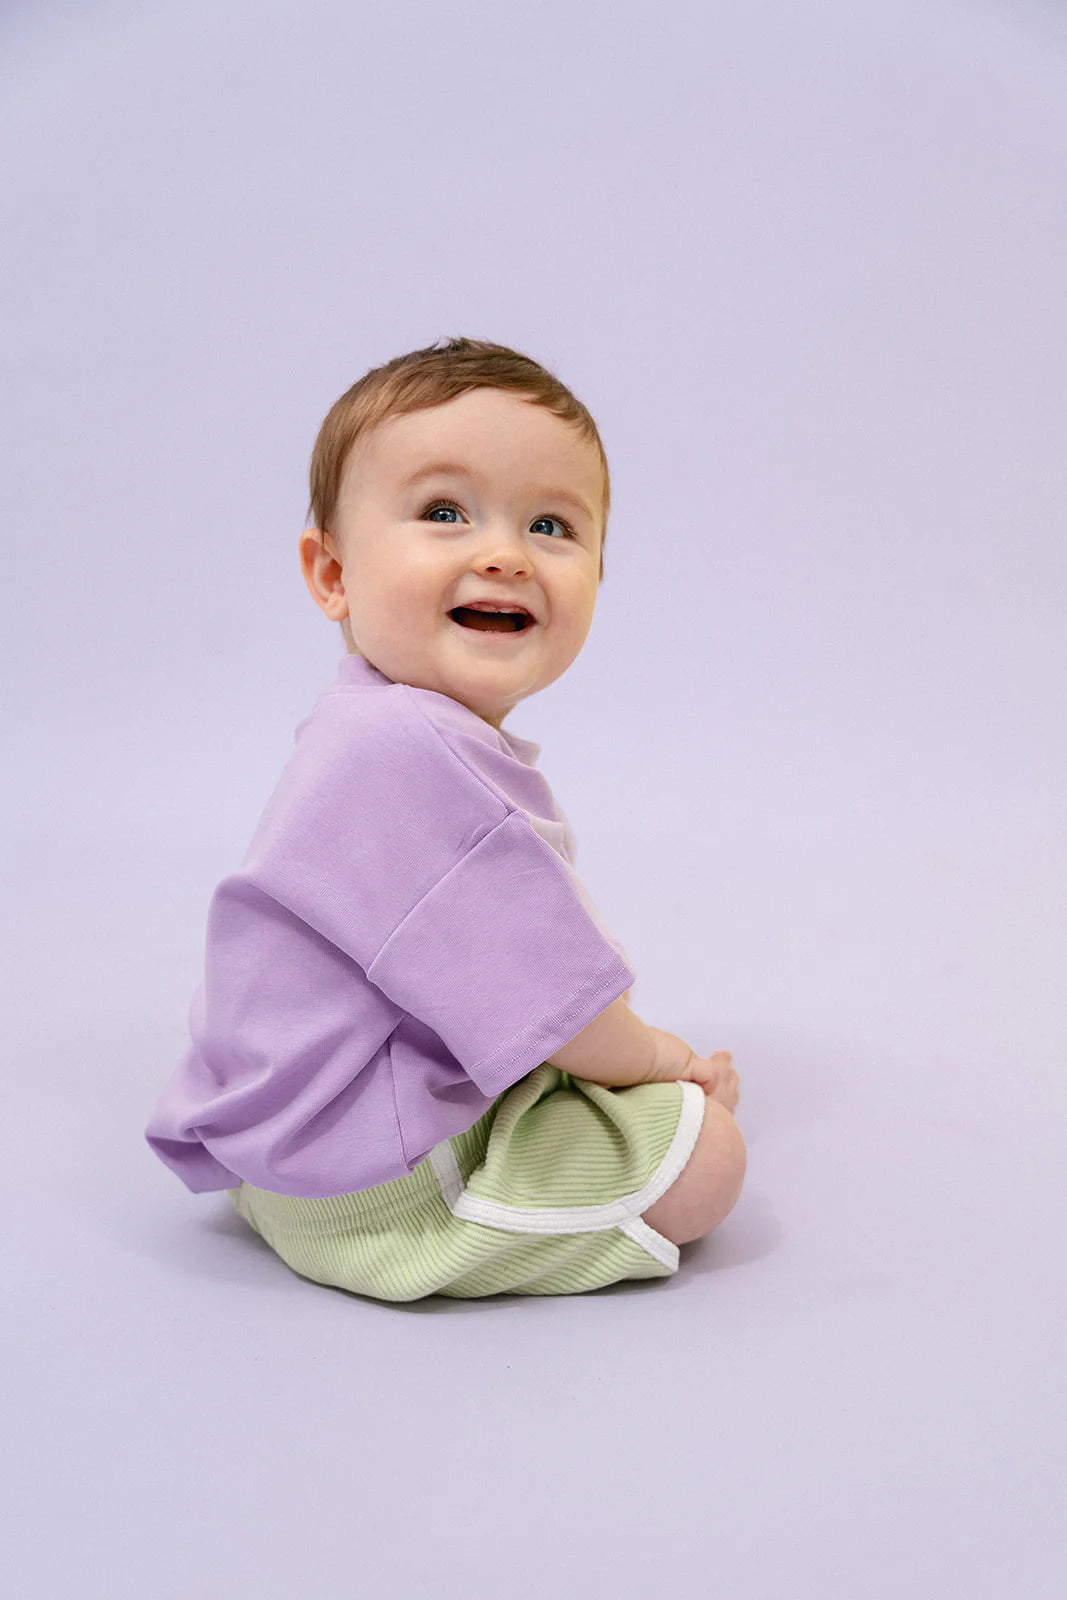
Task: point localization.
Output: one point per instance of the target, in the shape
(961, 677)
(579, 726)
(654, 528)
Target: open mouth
(491, 621)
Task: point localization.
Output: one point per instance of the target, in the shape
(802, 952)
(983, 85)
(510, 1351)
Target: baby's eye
(568, 531)
(441, 505)
(450, 505)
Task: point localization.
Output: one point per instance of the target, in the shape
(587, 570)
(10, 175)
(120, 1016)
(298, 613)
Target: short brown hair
(430, 377)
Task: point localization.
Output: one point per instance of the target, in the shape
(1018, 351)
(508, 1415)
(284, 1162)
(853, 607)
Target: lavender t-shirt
(405, 939)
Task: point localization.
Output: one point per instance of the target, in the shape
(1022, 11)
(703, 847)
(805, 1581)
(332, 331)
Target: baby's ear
(322, 573)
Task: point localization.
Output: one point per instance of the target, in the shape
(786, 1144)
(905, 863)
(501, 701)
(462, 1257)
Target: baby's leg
(709, 1185)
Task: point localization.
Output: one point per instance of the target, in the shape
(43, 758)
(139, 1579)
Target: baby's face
(526, 526)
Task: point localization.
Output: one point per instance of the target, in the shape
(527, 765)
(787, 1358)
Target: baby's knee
(710, 1184)
(730, 1157)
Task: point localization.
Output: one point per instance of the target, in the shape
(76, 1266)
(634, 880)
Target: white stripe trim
(624, 1213)
(657, 1244)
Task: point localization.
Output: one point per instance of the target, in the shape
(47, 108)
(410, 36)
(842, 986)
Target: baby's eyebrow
(456, 469)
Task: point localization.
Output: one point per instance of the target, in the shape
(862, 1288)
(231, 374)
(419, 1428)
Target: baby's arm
(618, 1049)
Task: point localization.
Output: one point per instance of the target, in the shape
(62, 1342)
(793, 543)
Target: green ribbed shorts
(543, 1195)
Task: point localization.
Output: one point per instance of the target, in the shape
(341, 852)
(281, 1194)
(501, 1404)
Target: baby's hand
(676, 1059)
(716, 1077)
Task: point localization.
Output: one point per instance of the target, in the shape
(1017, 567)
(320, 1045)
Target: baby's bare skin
(710, 1183)
(675, 1059)
(717, 1077)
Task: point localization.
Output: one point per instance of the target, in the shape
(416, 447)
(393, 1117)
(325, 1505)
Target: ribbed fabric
(543, 1195)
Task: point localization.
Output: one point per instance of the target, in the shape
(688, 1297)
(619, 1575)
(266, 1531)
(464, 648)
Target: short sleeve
(502, 958)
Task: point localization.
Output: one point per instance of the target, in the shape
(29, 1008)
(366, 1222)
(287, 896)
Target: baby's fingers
(708, 1070)
(723, 1085)
(727, 1092)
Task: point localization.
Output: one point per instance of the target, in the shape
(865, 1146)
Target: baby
(413, 1061)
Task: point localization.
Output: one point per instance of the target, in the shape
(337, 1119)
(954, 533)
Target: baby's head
(448, 476)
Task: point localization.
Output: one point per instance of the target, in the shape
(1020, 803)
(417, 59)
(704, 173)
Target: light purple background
(805, 263)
